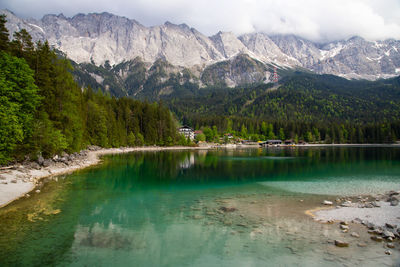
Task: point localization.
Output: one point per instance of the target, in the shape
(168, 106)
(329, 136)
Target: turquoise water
(164, 209)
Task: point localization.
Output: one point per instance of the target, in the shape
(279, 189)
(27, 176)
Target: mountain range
(100, 38)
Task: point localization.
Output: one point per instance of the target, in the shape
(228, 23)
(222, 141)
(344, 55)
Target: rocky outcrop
(240, 70)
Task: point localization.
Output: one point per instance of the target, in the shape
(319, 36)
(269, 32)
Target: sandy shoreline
(20, 180)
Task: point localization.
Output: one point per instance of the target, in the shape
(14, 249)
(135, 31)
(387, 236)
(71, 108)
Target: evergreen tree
(22, 46)
(308, 137)
(208, 134)
(131, 139)
(270, 132)
(4, 41)
(281, 134)
(243, 131)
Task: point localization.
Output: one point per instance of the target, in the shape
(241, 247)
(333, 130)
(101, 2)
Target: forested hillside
(43, 111)
(300, 97)
(303, 106)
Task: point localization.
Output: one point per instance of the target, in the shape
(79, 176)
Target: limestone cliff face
(239, 70)
(105, 37)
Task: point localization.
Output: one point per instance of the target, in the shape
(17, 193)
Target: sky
(316, 20)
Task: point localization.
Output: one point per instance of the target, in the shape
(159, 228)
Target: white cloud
(318, 20)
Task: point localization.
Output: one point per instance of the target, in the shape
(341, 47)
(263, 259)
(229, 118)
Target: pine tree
(4, 41)
(281, 134)
(131, 139)
(243, 131)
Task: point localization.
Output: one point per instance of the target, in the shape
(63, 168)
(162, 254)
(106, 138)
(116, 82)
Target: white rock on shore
(378, 216)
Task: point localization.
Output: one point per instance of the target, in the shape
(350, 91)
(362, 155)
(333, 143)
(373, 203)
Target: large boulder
(40, 160)
(47, 163)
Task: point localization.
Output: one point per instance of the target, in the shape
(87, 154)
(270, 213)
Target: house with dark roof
(187, 132)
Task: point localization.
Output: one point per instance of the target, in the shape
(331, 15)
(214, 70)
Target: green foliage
(270, 132)
(131, 141)
(18, 102)
(22, 46)
(182, 140)
(309, 137)
(208, 133)
(43, 110)
(243, 131)
(281, 134)
(139, 139)
(200, 137)
(46, 139)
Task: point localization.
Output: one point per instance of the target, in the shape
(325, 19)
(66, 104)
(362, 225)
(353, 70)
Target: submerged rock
(327, 202)
(340, 243)
(390, 245)
(377, 238)
(354, 234)
(228, 209)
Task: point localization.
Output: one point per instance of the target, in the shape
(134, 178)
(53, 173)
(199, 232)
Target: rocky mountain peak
(102, 37)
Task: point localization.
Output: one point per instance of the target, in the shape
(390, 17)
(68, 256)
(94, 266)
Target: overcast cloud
(318, 20)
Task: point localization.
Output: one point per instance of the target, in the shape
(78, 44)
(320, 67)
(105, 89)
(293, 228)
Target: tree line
(44, 112)
(215, 128)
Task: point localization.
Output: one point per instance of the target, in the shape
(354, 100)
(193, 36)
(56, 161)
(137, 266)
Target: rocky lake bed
(360, 230)
(252, 220)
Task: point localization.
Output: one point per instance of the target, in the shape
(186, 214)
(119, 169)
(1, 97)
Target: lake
(239, 207)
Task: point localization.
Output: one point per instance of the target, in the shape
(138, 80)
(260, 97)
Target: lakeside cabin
(271, 143)
(274, 142)
(289, 142)
(187, 132)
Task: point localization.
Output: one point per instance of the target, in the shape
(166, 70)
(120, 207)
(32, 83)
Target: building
(290, 142)
(187, 132)
(274, 142)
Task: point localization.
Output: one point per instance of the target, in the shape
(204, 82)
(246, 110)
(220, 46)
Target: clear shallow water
(163, 209)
